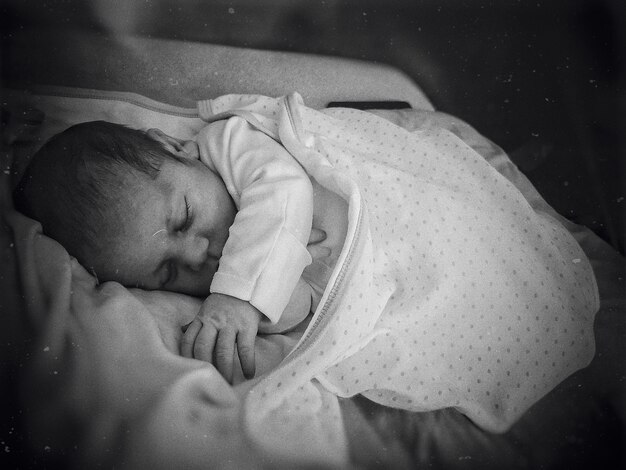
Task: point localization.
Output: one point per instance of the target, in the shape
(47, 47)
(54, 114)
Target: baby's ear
(180, 148)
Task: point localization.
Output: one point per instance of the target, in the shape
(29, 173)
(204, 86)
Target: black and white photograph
(313, 234)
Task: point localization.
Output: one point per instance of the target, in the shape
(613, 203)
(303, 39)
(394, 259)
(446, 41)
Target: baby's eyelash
(188, 216)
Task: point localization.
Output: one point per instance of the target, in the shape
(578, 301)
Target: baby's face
(173, 231)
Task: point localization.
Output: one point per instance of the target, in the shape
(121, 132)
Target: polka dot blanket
(451, 290)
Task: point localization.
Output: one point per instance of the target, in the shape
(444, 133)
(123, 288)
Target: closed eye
(188, 217)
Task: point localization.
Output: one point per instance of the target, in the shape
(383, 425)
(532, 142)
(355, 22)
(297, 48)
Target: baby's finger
(316, 236)
(189, 338)
(318, 251)
(245, 349)
(225, 352)
(205, 343)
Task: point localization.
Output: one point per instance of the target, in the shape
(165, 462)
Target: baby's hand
(316, 250)
(221, 322)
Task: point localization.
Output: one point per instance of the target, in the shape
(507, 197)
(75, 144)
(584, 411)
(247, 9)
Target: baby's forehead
(138, 200)
(144, 203)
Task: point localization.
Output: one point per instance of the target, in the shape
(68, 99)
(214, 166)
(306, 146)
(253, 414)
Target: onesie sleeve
(265, 253)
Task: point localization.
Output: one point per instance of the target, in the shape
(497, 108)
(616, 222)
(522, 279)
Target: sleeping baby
(434, 282)
(228, 214)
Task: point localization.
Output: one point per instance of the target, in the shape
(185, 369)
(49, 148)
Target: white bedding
(157, 396)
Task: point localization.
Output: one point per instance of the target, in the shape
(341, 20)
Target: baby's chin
(197, 284)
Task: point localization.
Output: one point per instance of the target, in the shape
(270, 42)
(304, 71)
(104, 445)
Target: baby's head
(135, 207)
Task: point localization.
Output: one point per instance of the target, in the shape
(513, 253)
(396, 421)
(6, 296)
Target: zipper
(309, 339)
(338, 283)
(302, 345)
(306, 342)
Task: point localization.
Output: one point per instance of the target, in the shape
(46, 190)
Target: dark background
(543, 79)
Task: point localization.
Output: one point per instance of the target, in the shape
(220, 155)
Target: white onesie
(265, 254)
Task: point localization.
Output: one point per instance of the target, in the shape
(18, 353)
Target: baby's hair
(78, 181)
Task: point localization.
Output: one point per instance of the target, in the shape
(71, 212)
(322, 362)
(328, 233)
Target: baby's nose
(197, 253)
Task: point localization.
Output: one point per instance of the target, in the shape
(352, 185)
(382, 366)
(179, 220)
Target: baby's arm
(298, 308)
(224, 320)
(265, 253)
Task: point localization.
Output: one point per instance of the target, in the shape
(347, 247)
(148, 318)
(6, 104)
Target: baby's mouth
(211, 263)
(214, 261)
